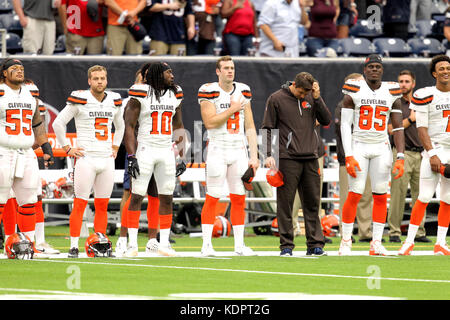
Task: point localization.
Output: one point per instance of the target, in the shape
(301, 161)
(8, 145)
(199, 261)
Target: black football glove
(133, 167)
(181, 168)
(47, 149)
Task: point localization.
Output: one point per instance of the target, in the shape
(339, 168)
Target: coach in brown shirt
(293, 110)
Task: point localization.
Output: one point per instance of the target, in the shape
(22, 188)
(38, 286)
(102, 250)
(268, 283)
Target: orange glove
(350, 164)
(399, 167)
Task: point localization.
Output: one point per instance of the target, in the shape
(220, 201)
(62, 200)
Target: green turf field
(228, 277)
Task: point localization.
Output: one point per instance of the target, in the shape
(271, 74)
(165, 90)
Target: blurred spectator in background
(121, 14)
(205, 24)
(348, 15)
(171, 25)
(395, 19)
(38, 22)
(446, 31)
(83, 26)
(240, 27)
(279, 21)
(419, 10)
(323, 31)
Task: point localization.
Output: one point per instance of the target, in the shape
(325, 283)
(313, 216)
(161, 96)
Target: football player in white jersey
(367, 107)
(432, 106)
(20, 125)
(227, 115)
(156, 105)
(94, 111)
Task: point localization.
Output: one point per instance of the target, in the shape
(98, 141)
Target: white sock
(74, 242)
(238, 233)
(412, 231)
(122, 240)
(207, 230)
(40, 234)
(377, 232)
(347, 231)
(164, 237)
(30, 235)
(133, 233)
(441, 235)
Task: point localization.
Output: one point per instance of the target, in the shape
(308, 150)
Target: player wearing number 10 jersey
(367, 106)
(94, 110)
(227, 115)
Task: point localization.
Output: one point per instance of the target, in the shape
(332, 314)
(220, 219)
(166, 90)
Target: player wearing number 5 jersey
(227, 115)
(94, 111)
(156, 105)
(432, 106)
(367, 106)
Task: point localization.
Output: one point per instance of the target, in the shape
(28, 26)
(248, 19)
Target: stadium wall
(57, 76)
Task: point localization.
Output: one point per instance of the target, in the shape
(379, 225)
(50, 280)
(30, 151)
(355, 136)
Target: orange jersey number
(166, 122)
(11, 118)
(446, 114)
(101, 128)
(366, 115)
(233, 123)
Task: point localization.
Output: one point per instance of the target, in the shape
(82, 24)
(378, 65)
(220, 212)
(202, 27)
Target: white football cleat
(441, 249)
(208, 251)
(44, 247)
(244, 251)
(377, 249)
(152, 246)
(121, 248)
(131, 252)
(166, 251)
(345, 249)
(406, 249)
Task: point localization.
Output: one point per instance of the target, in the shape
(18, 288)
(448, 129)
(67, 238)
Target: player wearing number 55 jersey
(227, 115)
(156, 105)
(94, 111)
(367, 106)
(432, 106)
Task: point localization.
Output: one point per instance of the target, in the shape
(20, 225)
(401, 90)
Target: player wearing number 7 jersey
(432, 106)
(156, 105)
(94, 111)
(367, 106)
(227, 115)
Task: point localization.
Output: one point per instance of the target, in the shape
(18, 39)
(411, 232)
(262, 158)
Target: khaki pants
(364, 209)
(161, 48)
(79, 45)
(399, 187)
(118, 39)
(39, 34)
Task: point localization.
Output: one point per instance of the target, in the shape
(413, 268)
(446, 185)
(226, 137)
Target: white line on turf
(248, 271)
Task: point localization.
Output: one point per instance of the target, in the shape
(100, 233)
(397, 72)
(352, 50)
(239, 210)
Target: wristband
(432, 153)
(400, 155)
(67, 152)
(131, 156)
(410, 121)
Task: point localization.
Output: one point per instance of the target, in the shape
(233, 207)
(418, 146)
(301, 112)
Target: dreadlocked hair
(155, 79)
(2, 67)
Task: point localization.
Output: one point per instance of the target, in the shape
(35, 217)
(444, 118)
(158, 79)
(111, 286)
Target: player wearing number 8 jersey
(156, 105)
(432, 106)
(94, 111)
(227, 115)
(367, 106)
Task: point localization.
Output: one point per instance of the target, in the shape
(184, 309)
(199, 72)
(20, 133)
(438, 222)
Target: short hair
(304, 80)
(221, 59)
(353, 76)
(96, 68)
(407, 73)
(436, 60)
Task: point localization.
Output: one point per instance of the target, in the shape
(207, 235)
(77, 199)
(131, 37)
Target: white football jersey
(437, 104)
(155, 118)
(93, 121)
(232, 130)
(17, 109)
(372, 109)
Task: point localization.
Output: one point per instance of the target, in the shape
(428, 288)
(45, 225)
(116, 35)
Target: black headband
(11, 63)
(373, 58)
(165, 66)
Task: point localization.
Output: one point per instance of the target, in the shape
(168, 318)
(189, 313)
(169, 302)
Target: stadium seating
(13, 43)
(6, 6)
(427, 47)
(356, 47)
(10, 22)
(363, 29)
(391, 47)
(424, 28)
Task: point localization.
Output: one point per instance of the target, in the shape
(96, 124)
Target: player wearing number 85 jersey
(367, 106)
(227, 115)
(156, 105)
(94, 111)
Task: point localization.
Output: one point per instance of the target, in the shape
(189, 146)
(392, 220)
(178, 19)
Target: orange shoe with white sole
(441, 250)
(406, 249)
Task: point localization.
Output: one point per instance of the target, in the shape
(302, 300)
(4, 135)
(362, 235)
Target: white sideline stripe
(72, 294)
(249, 271)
